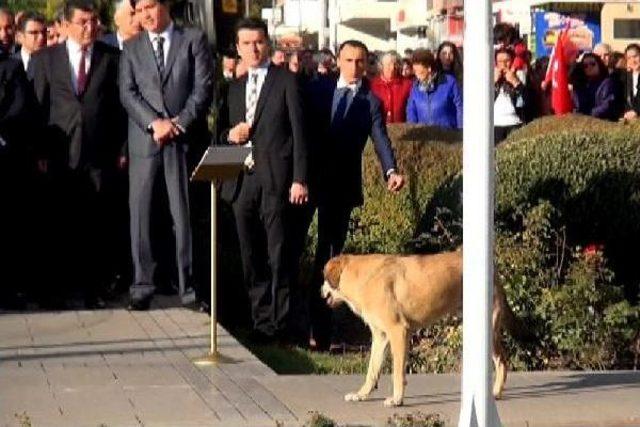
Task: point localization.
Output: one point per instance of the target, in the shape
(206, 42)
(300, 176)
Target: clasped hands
(164, 130)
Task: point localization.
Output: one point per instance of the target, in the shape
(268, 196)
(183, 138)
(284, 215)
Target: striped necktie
(160, 55)
(252, 100)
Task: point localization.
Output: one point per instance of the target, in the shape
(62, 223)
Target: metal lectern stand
(218, 163)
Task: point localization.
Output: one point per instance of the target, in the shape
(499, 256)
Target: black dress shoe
(139, 304)
(94, 303)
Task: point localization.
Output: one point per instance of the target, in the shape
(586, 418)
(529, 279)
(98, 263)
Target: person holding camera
(509, 96)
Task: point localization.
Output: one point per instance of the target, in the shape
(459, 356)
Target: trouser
(143, 172)
(260, 222)
(333, 224)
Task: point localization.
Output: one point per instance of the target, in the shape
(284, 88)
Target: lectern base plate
(213, 359)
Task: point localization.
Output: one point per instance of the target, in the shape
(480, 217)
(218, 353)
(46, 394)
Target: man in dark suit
(632, 83)
(166, 78)
(14, 103)
(344, 115)
(7, 32)
(76, 87)
(33, 36)
(264, 108)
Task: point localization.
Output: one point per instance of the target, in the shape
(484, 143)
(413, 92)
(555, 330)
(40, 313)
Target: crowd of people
(99, 133)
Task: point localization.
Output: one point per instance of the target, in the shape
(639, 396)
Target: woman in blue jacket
(594, 91)
(435, 98)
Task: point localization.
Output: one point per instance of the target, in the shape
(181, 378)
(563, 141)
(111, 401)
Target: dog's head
(330, 290)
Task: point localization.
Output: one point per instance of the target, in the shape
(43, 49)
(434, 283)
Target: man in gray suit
(166, 77)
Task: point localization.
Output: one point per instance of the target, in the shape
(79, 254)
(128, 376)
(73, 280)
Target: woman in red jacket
(392, 89)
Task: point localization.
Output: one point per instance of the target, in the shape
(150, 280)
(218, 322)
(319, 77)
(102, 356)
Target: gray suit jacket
(185, 91)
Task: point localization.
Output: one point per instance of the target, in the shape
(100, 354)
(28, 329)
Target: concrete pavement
(119, 368)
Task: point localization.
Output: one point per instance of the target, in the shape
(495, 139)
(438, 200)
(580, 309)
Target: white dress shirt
(75, 53)
(261, 71)
(26, 56)
(166, 35)
(635, 76)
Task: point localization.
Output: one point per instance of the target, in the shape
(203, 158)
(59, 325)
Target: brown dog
(396, 295)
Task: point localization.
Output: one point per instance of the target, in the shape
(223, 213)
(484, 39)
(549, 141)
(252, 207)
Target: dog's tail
(512, 323)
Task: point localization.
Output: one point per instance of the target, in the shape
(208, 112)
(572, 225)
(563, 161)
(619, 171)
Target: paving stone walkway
(118, 368)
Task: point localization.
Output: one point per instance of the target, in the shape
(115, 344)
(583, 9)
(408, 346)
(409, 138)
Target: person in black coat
(14, 109)
(77, 92)
(265, 109)
(632, 83)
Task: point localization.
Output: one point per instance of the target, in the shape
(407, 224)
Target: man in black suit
(166, 86)
(632, 83)
(345, 115)
(14, 109)
(76, 87)
(7, 32)
(32, 33)
(264, 109)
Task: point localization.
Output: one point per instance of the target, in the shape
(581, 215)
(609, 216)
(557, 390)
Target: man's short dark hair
(424, 57)
(252, 24)
(28, 17)
(354, 43)
(633, 46)
(71, 5)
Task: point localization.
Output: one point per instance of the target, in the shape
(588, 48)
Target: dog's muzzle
(326, 292)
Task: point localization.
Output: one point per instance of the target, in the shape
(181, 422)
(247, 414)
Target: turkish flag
(558, 74)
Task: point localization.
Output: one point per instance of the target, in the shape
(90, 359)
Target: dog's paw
(392, 402)
(354, 397)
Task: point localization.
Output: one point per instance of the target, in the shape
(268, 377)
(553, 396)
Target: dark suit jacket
(631, 102)
(337, 151)
(278, 138)
(84, 131)
(185, 91)
(14, 103)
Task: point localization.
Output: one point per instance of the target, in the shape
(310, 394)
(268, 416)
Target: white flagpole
(478, 406)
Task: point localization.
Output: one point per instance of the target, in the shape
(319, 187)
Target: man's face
(34, 36)
(126, 21)
(52, 35)
(352, 61)
(633, 60)
(153, 16)
(252, 47)
(7, 30)
(604, 54)
(82, 27)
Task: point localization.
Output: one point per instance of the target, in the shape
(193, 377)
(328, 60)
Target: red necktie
(82, 73)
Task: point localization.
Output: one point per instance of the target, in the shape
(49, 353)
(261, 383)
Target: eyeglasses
(36, 33)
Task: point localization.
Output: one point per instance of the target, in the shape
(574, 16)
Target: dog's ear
(333, 270)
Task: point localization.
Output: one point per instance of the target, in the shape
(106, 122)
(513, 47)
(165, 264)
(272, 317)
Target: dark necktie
(82, 72)
(341, 108)
(160, 54)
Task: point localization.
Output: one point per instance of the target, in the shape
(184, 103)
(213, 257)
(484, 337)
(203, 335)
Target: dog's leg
(399, 347)
(376, 359)
(499, 354)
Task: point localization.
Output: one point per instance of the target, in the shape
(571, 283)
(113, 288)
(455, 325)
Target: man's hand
(298, 195)
(630, 115)
(395, 182)
(239, 134)
(122, 162)
(164, 130)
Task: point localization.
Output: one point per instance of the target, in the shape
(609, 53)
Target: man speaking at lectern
(264, 108)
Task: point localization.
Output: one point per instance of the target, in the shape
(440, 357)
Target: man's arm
(381, 141)
(197, 105)
(136, 106)
(296, 118)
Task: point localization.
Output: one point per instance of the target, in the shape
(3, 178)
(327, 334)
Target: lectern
(219, 162)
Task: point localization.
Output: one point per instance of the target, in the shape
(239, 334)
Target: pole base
(213, 359)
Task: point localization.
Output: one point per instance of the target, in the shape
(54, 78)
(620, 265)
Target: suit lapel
(147, 52)
(177, 38)
(242, 98)
(96, 61)
(264, 93)
(64, 66)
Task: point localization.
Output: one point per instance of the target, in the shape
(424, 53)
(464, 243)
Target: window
(626, 28)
